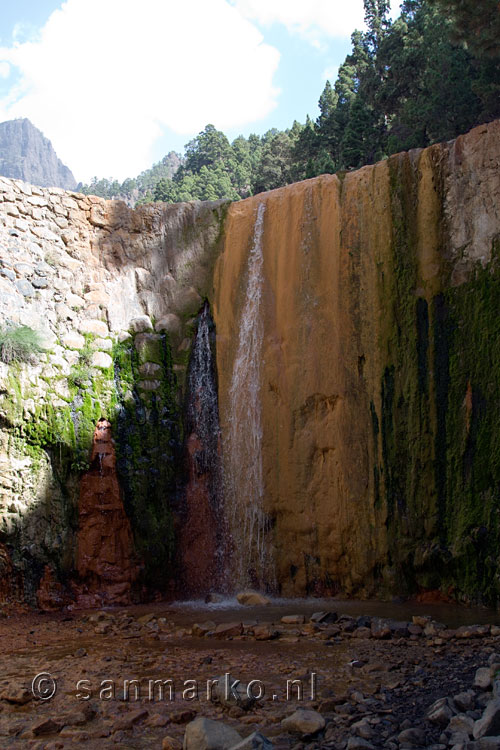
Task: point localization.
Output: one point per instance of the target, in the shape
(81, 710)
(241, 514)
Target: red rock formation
(106, 562)
(199, 534)
(51, 595)
(5, 574)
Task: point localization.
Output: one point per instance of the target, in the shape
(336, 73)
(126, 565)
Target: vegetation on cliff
(19, 344)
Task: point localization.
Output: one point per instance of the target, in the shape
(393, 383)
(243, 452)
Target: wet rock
(126, 722)
(141, 324)
(17, 696)
(304, 722)
(465, 701)
(264, 633)
(485, 743)
(170, 323)
(440, 712)
(358, 743)
(145, 619)
(206, 734)
(472, 631)
(363, 729)
(415, 630)
(433, 628)
(182, 717)
(461, 723)
(482, 678)
(228, 630)
(200, 630)
(293, 620)
(149, 368)
(171, 743)
(412, 736)
(489, 723)
(399, 628)
(252, 599)
(157, 720)
(230, 691)
(254, 741)
(324, 617)
(46, 726)
(362, 633)
(347, 623)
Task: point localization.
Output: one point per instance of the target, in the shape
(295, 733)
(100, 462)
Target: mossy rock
(149, 348)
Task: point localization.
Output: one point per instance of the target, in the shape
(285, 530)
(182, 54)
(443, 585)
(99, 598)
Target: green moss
(470, 457)
(440, 417)
(148, 432)
(149, 347)
(405, 478)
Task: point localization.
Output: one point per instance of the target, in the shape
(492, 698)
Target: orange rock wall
(352, 267)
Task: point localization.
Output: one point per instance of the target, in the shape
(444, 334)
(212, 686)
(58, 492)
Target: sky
(117, 84)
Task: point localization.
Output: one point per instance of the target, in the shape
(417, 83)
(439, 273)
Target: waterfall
(204, 536)
(243, 442)
(203, 408)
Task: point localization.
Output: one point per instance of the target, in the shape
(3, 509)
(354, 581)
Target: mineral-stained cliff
(379, 382)
(372, 399)
(25, 154)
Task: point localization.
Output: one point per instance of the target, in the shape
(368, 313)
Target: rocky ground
(366, 682)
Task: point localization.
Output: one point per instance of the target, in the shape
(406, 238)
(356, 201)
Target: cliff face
(114, 294)
(378, 376)
(25, 154)
(357, 353)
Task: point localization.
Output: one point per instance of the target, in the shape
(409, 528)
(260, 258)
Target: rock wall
(378, 376)
(115, 294)
(380, 386)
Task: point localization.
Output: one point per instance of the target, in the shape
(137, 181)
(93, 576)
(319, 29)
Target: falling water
(252, 562)
(203, 409)
(206, 532)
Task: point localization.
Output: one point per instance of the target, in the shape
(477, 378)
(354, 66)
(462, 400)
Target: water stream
(203, 408)
(252, 559)
(205, 535)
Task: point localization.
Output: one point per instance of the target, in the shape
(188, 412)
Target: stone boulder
(489, 723)
(252, 599)
(206, 734)
(230, 692)
(303, 722)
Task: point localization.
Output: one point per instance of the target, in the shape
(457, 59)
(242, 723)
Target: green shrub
(19, 344)
(80, 375)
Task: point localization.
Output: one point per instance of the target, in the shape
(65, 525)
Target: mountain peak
(26, 154)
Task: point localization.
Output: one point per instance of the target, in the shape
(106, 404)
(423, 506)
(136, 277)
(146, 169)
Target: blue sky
(116, 84)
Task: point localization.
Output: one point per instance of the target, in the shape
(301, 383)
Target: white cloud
(4, 70)
(104, 77)
(314, 20)
(330, 73)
